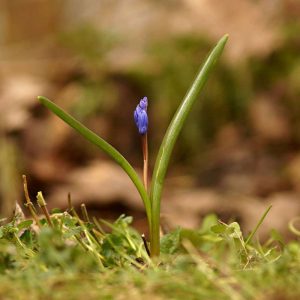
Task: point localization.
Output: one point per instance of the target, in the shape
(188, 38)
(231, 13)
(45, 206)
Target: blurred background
(240, 148)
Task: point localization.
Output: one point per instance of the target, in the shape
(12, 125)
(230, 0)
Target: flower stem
(145, 159)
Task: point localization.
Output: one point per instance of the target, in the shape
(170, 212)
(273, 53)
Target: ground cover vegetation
(74, 257)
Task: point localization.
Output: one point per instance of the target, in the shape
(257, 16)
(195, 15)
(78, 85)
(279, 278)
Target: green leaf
(170, 243)
(73, 231)
(219, 228)
(123, 221)
(234, 231)
(208, 222)
(193, 236)
(104, 146)
(24, 224)
(26, 238)
(167, 145)
(56, 211)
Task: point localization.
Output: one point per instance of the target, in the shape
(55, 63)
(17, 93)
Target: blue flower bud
(141, 117)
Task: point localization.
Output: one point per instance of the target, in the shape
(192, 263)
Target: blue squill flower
(141, 117)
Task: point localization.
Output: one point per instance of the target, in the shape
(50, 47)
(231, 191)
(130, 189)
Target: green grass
(77, 259)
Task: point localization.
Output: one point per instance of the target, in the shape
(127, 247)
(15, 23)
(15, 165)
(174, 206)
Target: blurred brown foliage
(240, 146)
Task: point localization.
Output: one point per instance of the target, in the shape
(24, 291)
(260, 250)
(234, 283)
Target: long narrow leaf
(170, 138)
(103, 145)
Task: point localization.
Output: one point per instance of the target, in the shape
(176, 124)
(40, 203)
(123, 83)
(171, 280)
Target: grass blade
(104, 146)
(257, 225)
(170, 138)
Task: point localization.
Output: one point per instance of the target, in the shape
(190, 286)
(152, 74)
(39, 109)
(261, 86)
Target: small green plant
(151, 198)
(73, 258)
(58, 251)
